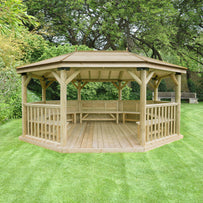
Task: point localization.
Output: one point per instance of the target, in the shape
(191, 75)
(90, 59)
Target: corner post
(143, 89)
(63, 103)
(24, 101)
(178, 101)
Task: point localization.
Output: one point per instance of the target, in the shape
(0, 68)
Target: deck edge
(58, 148)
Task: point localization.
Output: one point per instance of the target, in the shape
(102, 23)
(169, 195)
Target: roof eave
(103, 65)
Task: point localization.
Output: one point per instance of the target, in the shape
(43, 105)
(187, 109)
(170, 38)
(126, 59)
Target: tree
(13, 17)
(151, 27)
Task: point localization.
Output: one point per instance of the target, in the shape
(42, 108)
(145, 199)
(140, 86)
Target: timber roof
(101, 59)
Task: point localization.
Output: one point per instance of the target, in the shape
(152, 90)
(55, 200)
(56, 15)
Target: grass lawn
(172, 173)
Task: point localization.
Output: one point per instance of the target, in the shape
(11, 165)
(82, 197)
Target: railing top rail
(43, 105)
(160, 105)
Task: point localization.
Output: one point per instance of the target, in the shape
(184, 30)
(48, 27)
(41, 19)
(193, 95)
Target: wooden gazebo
(101, 126)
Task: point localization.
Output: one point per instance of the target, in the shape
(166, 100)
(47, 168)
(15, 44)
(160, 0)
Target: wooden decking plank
(108, 135)
(95, 136)
(132, 128)
(79, 136)
(130, 135)
(100, 137)
(114, 135)
(121, 138)
(74, 135)
(105, 138)
(87, 137)
(111, 136)
(90, 135)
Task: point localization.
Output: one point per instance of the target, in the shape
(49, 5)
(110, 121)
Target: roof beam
(135, 77)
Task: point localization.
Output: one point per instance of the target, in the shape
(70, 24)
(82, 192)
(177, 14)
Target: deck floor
(102, 137)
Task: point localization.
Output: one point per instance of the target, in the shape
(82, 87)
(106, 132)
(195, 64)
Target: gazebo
(101, 125)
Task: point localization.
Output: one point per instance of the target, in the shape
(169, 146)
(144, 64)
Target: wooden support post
(119, 91)
(178, 100)
(79, 91)
(24, 101)
(156, 89)
(156, 93)
(25, 82)
(143, 89)
(43, 85)
(63, 102)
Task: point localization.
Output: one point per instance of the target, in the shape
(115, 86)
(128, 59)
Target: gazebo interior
(101, 125)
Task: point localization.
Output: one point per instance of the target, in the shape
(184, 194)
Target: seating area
(192, 97)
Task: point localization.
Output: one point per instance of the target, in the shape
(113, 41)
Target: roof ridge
(67, 55)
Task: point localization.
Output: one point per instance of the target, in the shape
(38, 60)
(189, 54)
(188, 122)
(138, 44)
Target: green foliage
(13, 17)
(135, 93)
(52, 50)
(162, 86)
(10, 94)
(15, 49)
(154, 28)
(191, 85)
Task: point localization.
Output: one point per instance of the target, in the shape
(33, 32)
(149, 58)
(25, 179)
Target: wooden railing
(160, 120)
(43, 121)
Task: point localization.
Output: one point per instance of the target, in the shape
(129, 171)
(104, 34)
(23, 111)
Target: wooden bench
(99, 111)
(171, 95)
(125, 118)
